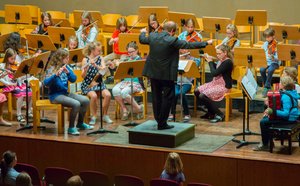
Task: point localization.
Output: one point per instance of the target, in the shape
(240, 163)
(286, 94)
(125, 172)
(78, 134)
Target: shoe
(125, 116)
(30, 115)
(171, 117)
(5, 123)
(107, 120)
(84, 126)
(207, 116)
(262, 147)
(140, 114)
(73, 131)
(164, 127)
(217, 119)
(21, 119)
(265, 92)
(186, 118)
(93, 120)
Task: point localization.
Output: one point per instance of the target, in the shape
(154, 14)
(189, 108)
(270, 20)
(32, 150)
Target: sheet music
(182, 64)
(250, 84)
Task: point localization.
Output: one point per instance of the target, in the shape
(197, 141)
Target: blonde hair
(233, 29)
(74, 181)
(87, 15)
(121, 22)
(227, 49)
(57, 58)
(90, 47)
(173, 163)
(8, 53)
(23, 179)
(287, 83)
(292, 72)
(73, 39)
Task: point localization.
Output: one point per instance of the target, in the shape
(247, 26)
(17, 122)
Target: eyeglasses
(129, 52)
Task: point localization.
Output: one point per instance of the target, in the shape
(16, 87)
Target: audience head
(232, 31)
(10, 56)
(9, 160)
(23, 179)
(132, 49)
(86, 18)
(287, 83)
(223, 52)
(170, 27)
(13, 41)
(292, 72)
(173, 163)
(75, 181)
(46, 19)
(153, 23)
(121, 24)
(93, 48)
(269, 34)
(73, 43)
(190, 25)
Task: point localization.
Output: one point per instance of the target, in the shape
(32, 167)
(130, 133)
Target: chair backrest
(57, 176)
(197, 184)
(94, 178)
(110, 19)
(57, 14)
(127, 180)
(163, 182)
(32, 171)
(35, 88)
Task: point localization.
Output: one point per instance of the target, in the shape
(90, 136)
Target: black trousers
(211, 105)
(163, 93)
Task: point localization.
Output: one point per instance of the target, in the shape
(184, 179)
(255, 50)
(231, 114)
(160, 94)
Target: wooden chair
(71, 19)
(2, 13)
(9, 104)
(237, 73)
(132, 21)
(38, 105)
(35, 13)
(8, 28)
(104, 40)
(142, 94)
(110, 21)
(57, 14)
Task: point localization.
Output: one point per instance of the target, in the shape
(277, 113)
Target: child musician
(73, 43)
(270, 47)
(189, 35)
(288, 113)
(58, 90)
(122, 90)
(17, 87)
(87, 32)
(43, 27)
(153, 24)
(91, 65)
(231, 38)
(2, 100)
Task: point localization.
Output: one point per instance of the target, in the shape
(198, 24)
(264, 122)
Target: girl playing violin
(17, 87)
(14, 42)
(91, 65)
(231, 38)
(190, 34)
(43, 27)
(88, 31)
(153, 24)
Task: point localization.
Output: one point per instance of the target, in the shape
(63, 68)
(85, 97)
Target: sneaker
(20, 119)
(93, 120)
(171, 117)
(30, 115)
(5, 123)
(186, 118)
(107, 120)
(84, 126)
(262, 147)
(140, 114)
(125, 115)
(73, 131)
(217, 119)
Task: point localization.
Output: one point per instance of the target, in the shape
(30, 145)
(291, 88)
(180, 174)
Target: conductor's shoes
(163, 127)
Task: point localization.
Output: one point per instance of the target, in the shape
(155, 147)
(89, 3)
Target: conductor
(162, 68)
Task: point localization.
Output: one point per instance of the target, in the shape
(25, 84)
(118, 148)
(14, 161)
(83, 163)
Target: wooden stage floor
(227, 162)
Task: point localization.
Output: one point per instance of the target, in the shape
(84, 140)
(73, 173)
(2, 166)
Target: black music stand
(98, 78)
(130, 70)
(249, 87)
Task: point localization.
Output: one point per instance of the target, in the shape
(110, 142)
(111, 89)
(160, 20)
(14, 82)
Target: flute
(185, 54)
(89, 63)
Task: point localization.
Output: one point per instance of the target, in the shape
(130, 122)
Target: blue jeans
(185, 89)
(267, 78)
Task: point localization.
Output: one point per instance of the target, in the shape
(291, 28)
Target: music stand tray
(60, 35)
(125, 38)
(19, 14)
(39, 64)
(249, 57)
(289, 52)
(160, 11)
(43, 42)
(76, 56)
(179, 17)
(286, 32)
(95, 14)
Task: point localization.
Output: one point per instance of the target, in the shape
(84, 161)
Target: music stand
(61, 35)
(42, 42)
(249, 87)
(23, 69)
(95, 14)
(249, 57)
(76, 56)
(160, 11)
(286, 32)
(215, 25)
(181, 17)
(289, 52)
(3, 39)
(18, 14)
(251, 18)
(130, 70)
(63, 22)
(125, 38)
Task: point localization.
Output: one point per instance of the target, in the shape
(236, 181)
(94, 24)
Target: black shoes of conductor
(164, 127)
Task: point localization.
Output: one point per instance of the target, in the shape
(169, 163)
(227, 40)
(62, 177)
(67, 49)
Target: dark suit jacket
(162, 61)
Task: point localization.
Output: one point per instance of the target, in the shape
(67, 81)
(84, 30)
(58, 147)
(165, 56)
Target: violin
(272, 47)
(231, 42)
(193, 37)
(86, 31)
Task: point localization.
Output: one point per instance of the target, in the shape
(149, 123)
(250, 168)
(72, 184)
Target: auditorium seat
(32, 171)
(163, 182)
(57, 176)
(90, 178)
(197, 184)
(127, 180)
